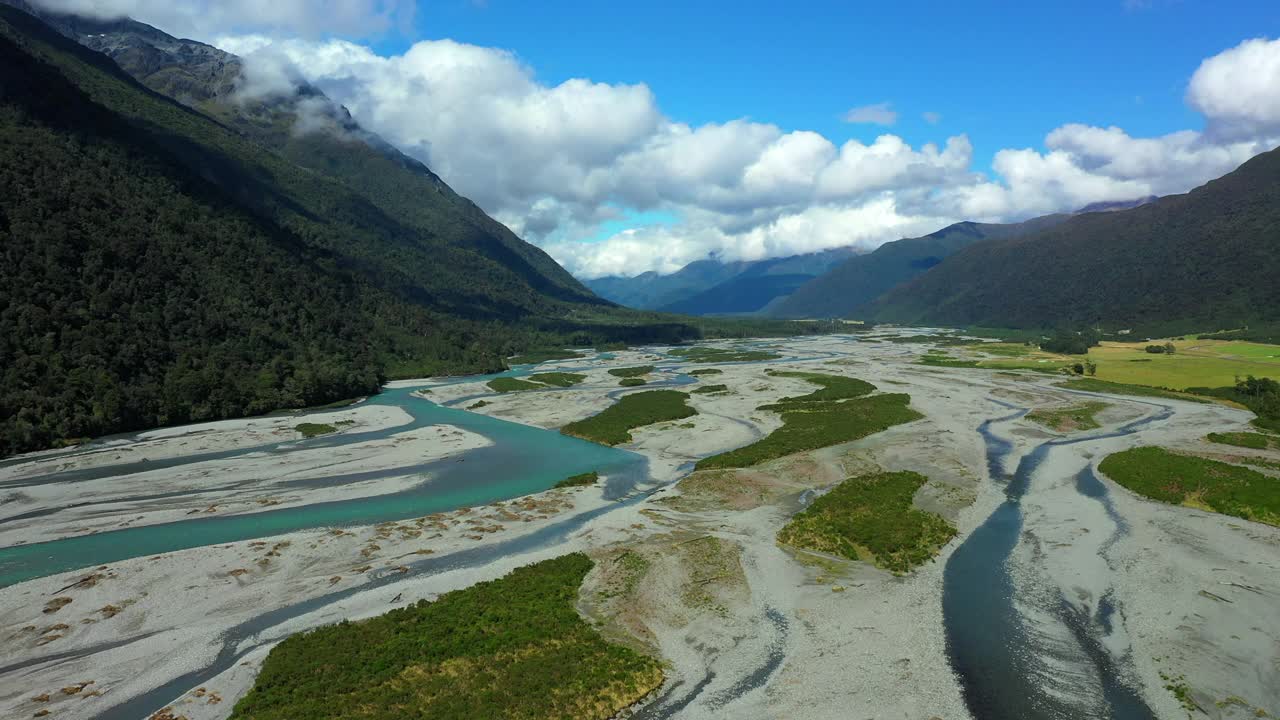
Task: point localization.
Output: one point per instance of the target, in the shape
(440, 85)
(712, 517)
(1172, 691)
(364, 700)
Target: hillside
(650, 290)
(712, 287)
(162, 267)
(846, 289)
(1207, 259)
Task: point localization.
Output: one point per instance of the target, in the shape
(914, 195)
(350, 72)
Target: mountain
(166, 262)
(846, 289)
(650, 290)
(1112, 206)
(759, 283)
(1204, 260)
(712, 287)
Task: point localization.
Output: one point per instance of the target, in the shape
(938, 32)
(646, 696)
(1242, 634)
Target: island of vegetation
(310, 430)
(701, 354)
(711, 389)
(1251, 440)
(580, 480)
(871, 518)
(705, 371)
(613, 425)
(1070, 419)
(514, 647)
(1196, 482)
(630, 372)
(837, 413)
(508, 384)
(631, 382)
(558, 379)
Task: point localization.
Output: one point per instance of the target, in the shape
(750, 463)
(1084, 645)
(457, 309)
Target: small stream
(1005, 668)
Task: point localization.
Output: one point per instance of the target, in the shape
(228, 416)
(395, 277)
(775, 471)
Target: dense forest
(160, 267)
(1205, 260)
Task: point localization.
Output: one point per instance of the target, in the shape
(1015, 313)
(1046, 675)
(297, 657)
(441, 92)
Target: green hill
(1207, 259)
(162, 264)
(846, 289)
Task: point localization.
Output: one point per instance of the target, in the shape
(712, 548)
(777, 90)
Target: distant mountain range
(712, 287)
(1205, 260)
(173, 251)
(834, 283)
(846, 289)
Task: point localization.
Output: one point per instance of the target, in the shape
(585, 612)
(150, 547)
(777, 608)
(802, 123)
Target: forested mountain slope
(160, 266)
(1204, 260)
(846, 289)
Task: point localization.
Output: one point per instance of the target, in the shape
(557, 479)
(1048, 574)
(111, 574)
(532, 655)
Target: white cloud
(555, 161)
(202, 19)
(877, 114)
(1239, 89)
(931, 117)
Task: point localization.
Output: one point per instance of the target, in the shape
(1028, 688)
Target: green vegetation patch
(532, 357)
(514, 647)
(942, 360)
(559, 379)
(1256, 441)
(613, 425)
(1072, 419)
(478, 404)
(1196, 482)
(628, 372)
(701, 354)
(871, 518)
(506, 385)
(834, 387)
(711, 389)
(705, 371)
(1102, 386)
(589, 478)
(808, 426)
(632, 382)
(310, 430)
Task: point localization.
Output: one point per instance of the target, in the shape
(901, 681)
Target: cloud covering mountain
(556, 161)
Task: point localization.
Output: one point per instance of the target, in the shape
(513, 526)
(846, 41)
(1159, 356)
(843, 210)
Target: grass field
(1196, 482)
(871, 518)
(613, 425)
(514, 647)
(1102, 386)
(1197, 363)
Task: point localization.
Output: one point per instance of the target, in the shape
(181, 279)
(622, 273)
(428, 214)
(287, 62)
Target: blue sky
(1005, 73)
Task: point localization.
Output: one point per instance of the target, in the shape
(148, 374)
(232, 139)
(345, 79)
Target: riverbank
(749, 629)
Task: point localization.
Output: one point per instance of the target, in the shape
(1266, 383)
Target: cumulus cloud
(1239, 90)
(877, 114)
(554, 162)
(202, 19)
